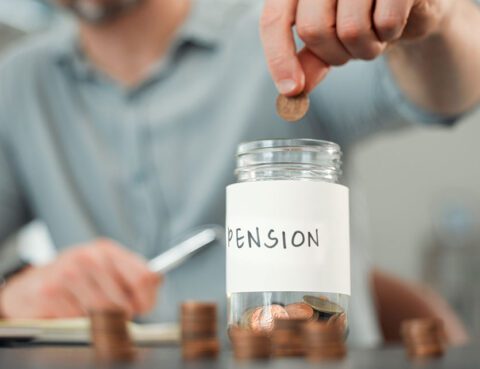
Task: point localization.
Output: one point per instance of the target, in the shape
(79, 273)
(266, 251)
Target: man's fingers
(355, 29)
(141, 283)
(84, 273)
(66, 306)
(315, 69)
(278, 41)
(85, 290)
(112, 287)
(57, 301)
(390, 18)
(334, 31)
(315, 24)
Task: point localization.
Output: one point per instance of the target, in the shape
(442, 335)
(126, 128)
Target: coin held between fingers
(293, 108)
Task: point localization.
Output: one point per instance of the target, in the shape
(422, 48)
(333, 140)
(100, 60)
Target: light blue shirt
(144, 165)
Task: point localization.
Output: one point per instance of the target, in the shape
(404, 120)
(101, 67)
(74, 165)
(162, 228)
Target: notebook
(77, 331)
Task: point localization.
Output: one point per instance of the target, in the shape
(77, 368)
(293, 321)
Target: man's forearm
(442, 72)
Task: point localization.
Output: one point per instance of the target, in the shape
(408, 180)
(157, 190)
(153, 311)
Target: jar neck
(295, 159)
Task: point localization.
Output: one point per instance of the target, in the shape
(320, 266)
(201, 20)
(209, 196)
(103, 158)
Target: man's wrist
(451, 17)
(21, 267)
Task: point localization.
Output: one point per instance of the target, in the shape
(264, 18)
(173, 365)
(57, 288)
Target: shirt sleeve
(13, 209)
(363, 98)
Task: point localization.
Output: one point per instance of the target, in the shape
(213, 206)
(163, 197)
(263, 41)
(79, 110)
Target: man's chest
(145, 165)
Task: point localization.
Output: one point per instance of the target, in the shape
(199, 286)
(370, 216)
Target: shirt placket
(149, 213)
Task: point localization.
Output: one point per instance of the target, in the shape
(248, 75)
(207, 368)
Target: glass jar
(288, 247)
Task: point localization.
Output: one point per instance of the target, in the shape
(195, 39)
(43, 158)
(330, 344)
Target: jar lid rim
(246, 147)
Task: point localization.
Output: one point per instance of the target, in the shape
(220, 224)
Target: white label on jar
(288, 236)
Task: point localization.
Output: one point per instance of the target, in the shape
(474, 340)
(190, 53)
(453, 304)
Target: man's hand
(336, 31)
(96, 276)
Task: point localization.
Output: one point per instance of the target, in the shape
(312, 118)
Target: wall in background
(403, 177)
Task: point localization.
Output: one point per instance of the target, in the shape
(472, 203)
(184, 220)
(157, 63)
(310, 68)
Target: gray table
(43, 357)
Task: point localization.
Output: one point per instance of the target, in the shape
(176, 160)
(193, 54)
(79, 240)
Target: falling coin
(293, 108)
(323, 305)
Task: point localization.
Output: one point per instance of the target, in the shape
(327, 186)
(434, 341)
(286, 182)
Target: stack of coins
(110, 336)
(287, 337)
(250, 345)
(424, 337)
(199, 330)
(324, 341)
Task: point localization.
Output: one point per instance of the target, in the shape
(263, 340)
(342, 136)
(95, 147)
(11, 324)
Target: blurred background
(418, 193)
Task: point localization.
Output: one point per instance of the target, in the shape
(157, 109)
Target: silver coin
(323, 305)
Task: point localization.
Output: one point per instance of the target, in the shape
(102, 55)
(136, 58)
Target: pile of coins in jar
(314, 328)
(312, 308)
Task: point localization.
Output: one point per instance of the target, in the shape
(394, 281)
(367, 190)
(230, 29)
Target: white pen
(177, 255)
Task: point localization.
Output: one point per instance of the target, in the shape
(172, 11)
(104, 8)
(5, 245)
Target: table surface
(48, 357)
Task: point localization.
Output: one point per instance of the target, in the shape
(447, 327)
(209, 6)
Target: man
(122, 136)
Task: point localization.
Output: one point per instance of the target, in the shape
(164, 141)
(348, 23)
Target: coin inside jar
(300, 310)
(262, 318)
(323, 305)
(293, 108)
(339, 319)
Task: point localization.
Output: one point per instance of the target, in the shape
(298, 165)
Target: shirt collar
(205, 26)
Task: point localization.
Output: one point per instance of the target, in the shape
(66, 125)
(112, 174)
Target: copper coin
(193, 349)
(108, 314)
(289, 324)
(200, 329)
(427, 351)
(198, 308)
(338, 350)
(288, 352)
(426, 340)
(250, 345)
(198, 317)
(322, 329)
(426, 323)
(263, 318)
(239, 334)
(251, 353)
(246, 318)
(422, 327)
(300, 310)
(294, 108)
(193, 321)
(197, 335)
(284, 339)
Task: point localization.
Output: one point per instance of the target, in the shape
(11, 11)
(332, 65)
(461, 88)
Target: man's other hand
(336, 31)
(95, 276)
